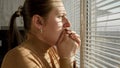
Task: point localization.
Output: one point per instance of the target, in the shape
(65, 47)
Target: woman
(48, 42)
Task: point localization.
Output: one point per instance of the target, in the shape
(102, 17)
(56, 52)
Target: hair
(30, 8)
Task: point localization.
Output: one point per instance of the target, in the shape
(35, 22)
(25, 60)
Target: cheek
(52, 32)
(52, 36)
(56, 31)
(60, 26)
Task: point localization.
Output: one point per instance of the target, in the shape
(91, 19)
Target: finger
(69, 31)
(75, 37)
(60, 39)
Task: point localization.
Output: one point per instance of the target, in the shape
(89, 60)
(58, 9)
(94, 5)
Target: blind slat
(104, 42)
(106, 53)
(93, 62)
(104, 36)
(102, 61)
(111, 48)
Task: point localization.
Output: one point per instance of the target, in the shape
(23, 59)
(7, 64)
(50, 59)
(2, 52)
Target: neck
(39, 45)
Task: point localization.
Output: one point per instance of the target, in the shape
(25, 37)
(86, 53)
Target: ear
(37, 21)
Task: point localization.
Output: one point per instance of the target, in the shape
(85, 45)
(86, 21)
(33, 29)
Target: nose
(66, 22)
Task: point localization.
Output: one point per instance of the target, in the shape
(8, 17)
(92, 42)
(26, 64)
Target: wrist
(66, 62)
(70, 59)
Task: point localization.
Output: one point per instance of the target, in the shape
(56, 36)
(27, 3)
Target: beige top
(29, 55)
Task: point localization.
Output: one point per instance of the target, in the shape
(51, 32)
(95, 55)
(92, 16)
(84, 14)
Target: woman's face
(55, 23)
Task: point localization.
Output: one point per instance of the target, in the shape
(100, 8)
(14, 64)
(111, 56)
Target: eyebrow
(62, 12)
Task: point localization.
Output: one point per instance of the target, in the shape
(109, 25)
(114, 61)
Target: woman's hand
(68, 43)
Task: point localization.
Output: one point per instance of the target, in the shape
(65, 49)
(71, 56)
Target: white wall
(7, 8)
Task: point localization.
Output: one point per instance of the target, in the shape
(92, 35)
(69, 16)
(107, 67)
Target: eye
(60, 16)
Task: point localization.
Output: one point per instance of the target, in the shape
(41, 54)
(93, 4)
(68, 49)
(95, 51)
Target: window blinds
(102, 46)
(73, 13)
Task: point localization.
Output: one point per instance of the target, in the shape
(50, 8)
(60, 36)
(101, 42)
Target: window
(102, 42)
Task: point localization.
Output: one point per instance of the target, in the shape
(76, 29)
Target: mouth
(63, 32)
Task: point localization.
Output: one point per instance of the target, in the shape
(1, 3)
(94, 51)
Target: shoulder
(17, 52)
(19, 57)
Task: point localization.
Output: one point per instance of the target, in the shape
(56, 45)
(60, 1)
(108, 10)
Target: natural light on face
(60, 12)
(60, 6)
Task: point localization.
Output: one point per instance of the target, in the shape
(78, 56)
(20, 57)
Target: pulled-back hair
(30, 8)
